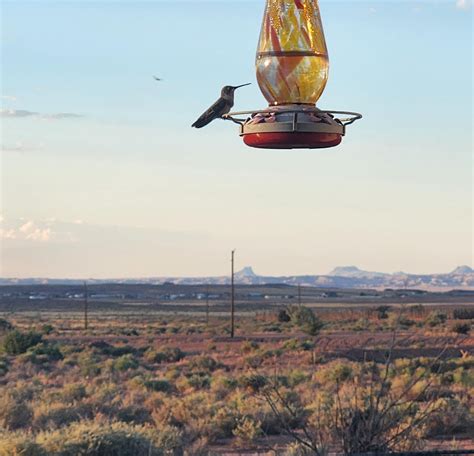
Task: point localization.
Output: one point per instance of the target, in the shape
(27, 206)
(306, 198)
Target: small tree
(283, 316)
(306, 319)
(365, 412)
(436, 318)
(16, 342)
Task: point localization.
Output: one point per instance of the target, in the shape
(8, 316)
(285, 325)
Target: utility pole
(207, 305)
(232, 301)
(299, 295)
(86, 307)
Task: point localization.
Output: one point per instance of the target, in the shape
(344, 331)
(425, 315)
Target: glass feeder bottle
(292, 61)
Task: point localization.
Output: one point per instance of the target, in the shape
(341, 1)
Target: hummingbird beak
(243, 85)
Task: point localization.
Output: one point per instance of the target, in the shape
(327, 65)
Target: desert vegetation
(294, 381)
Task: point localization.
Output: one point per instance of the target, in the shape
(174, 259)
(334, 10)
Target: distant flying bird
(157, 79)
(222, 106)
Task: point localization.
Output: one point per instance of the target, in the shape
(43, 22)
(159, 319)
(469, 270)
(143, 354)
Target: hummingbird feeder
(292, 67)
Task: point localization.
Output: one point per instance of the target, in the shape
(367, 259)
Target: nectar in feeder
(292, 59)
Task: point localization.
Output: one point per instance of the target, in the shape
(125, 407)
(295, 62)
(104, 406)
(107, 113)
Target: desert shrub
(283, 316)
(295, 344)
(452, 417)
(114, 439)
(19, 444)
(297, 376)
(133, 414)
(254, 382)
(204, 363)
(225, 383)
(461, 328)
(436, 318)
(58, 415)
(382, 312)
(224, 422)
(305, 319)
(14, 413)
(168, 355)
(249, 345)
(298, 449)
(16, 342)
(247, 430)
(158, 385)
(124, 363)
(463, 314)
(3, 367)
(73, 392)
(43, 353)
(120, 351)
(464, 377)
(400, 321)
(89, 364)
(334, 373)
(199, 380)
(5, 326)
(47, 329)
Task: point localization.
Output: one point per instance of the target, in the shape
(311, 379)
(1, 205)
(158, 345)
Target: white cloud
(17, 113)
(38, 234)
(32, 232)
(27, 227)
(17, 147)
(22, 113)
(7, 234)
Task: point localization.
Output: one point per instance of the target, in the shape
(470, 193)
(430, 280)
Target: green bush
(73, 392)
(47, 329)
(254, 382)
(44, 353)
(16, 342)
(382, 312)
(283, 316)
(5, 325)
(14, 413)
(168, 355)
(59, 415)
(125, 362)
(305, 319)
(204, 363)
(436, 318)
(199, 380)
(463, 314)
(133, 414)
(3, 367)
(114, 439)
(247, 430)
(18, 444)
(461, 328)
(158, 385)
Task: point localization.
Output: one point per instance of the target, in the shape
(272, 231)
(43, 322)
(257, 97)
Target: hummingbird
(222, 106)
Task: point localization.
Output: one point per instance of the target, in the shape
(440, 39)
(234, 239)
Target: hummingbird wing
(217, 110)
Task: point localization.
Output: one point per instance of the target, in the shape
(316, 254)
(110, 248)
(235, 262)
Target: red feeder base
(286, 140)
(292, 127)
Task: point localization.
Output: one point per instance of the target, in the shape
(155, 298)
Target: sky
(102, 176)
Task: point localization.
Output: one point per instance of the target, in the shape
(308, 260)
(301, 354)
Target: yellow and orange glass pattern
(292, 59)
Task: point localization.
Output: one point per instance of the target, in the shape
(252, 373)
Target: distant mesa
(462, 278)
(463, 270)
(245, 273)
(353, 271)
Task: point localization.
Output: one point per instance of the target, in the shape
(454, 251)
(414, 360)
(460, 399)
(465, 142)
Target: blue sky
(108, 179)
